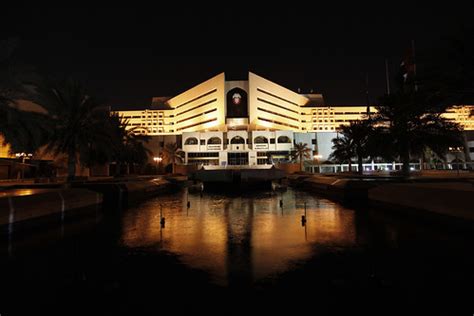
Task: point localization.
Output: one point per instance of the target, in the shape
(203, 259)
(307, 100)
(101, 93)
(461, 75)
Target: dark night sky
(126, 55)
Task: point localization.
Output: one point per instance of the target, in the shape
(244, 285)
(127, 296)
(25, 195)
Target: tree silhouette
(300, 152)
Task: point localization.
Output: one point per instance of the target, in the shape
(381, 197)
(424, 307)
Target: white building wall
(237, 147)
(284, 146)
(272, 106)
(324, 143)
(201, 107)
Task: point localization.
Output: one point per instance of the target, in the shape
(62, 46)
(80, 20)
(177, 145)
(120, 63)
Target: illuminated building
(250, 122)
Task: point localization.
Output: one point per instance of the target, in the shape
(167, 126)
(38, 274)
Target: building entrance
(237, 159)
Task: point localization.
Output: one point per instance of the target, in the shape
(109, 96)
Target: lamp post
(317, 157)
(23, 157)
(456, 151)
(158, 162)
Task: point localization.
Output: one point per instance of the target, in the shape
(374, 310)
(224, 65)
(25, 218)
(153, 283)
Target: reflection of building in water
(239, 215)
(241, 239)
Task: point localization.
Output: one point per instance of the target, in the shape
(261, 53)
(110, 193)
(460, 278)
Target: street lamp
(456, 151)
(158, 161)
(23, 157)
(317, 157)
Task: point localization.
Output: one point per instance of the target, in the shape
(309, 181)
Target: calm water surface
(240, 248)
(240, 238)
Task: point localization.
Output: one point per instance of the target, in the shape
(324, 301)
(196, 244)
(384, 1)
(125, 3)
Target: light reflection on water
(240, 238)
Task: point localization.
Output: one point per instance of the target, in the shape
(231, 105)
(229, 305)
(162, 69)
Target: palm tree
(173, 154)
(78, 122)
(300, 152)
(356, 141)
(343, 151)
(23, 131)
(412, 122)
(127, 145)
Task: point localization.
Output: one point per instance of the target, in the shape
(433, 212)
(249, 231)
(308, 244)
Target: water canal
(243, 247)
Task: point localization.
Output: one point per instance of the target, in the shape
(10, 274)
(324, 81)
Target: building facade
(253, 122)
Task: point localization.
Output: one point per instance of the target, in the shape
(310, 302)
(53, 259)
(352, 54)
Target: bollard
(162, 219)
(303, 217)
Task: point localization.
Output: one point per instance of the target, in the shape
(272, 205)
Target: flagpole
(387, 78)
(367, 92)
(414, 63)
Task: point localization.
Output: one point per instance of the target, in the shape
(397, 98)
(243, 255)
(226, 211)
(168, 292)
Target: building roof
(314, 100)
(160, 103)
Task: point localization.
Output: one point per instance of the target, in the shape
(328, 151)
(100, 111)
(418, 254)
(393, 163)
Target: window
(260, 140)
(191, 141)
(234, 159)
(471, 149)
(202, 155)
(237, 140)
(272, 140)
(202, 142)
(214, 141)
(284, 140)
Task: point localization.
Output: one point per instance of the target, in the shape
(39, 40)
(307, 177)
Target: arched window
(214, 141)
(284, 140)
(237, 140)
(191, 141)
(260, 140)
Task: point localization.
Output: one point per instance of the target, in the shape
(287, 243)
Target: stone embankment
(35, 205)
(444, 198)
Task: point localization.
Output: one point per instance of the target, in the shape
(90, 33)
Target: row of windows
(275, 113)
(276, 122)
(326, 128)
(203, 155)
(237, 140)
(196, 124)
(314, 121)
(197, 106)
(194, 116)
(277, 105)
(196, 98)
(275, 96)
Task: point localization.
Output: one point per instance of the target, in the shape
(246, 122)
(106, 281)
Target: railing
(215, 167)
(395, 166)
